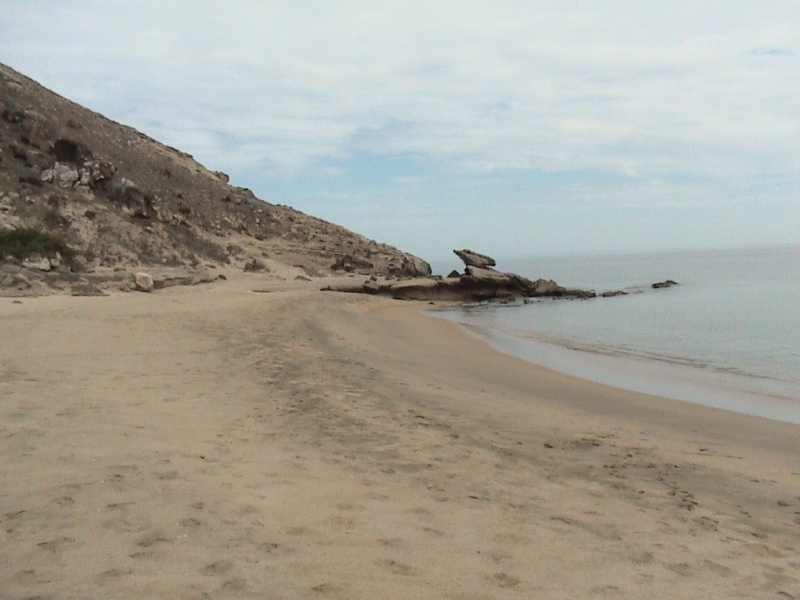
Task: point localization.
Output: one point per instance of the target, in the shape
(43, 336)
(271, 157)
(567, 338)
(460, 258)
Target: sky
(513, 128)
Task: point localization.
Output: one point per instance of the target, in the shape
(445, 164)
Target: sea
(727, 336)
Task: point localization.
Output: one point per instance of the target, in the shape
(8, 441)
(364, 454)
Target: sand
(218, 442)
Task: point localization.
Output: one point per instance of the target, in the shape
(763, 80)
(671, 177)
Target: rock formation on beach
(121, 201)
(479, 282)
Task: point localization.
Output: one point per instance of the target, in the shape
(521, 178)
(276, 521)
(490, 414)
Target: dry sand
(213, 442)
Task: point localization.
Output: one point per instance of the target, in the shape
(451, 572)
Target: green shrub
(22, 243)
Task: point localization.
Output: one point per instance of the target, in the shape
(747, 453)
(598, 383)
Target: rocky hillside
(122, 200)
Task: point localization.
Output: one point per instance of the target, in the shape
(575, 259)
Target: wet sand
(217, 442)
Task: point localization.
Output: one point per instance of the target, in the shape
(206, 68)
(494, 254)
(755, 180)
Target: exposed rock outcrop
(163, 278)
(473, 259)
(475, 285)
(42, 264)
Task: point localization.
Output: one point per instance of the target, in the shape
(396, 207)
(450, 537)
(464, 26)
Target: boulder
(10, 268)
(96, 171)
(16, 281)
(409, 266)
(131, 199)
(20, 282)
(473, 259)
(547, 287)
(143, 282)
(61, 175)
(40, 265)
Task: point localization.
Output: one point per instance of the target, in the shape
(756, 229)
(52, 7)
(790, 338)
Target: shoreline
(298, 444)
(682, 383)
(723, 337)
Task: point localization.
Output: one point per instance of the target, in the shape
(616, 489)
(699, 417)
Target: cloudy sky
(514, 128)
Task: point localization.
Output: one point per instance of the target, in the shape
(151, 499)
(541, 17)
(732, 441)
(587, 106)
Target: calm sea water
(727, 336)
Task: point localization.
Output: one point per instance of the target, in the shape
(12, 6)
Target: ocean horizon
(727, 336)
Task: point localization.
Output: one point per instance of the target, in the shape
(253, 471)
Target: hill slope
(124, 200)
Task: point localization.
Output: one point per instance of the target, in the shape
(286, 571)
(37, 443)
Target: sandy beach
(249, 439)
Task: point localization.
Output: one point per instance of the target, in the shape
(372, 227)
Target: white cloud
(629, 88)
(656, 92)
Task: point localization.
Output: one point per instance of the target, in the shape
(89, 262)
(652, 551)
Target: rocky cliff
(119, 199)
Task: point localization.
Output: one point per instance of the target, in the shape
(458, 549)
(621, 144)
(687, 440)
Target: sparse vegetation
(23, 243)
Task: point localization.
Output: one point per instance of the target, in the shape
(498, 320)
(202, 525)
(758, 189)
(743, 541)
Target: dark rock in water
(547, 287)
(664, 284)
(473, 259)
(577, 294)
(613, 294)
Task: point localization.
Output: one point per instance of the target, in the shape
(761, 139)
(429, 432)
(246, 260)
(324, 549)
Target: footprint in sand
(234, 585)
(681, 569)
(433, 532)
(56, 544)
(391, 542)
(330, 590)
(497, 557)
(719, 569)
(504, 580)
(396, 567)
(151, 539)
(765, 551)
(298, 531)
(26, 577)
(350, 506)
(607, 590)
(112, 574)
(217, 568)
